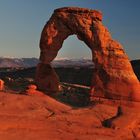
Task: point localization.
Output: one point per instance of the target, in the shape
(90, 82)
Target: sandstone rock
(113, 76)
(1, 84)
(33, 87)
(32, 90)
(46, 78)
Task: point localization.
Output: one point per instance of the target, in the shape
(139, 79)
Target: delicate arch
(113, 76)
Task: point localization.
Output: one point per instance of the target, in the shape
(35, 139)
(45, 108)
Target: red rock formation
(33, 87)
(113, 76)
(1, 84)
(46, 78)
(32, 90)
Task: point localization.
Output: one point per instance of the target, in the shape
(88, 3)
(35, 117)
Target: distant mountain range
(18, 62)
(68, 63)
(32, 62)
(65, 63)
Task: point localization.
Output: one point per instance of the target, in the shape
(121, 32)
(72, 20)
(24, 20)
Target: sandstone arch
(113, 76)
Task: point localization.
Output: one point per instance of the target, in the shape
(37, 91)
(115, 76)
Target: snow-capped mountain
(18, 62)
(61, 62)
(82, 62)
(31, 62)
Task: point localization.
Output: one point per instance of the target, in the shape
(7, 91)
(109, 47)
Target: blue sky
(21, 23)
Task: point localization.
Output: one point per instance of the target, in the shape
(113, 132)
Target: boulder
(32, 87)
(32, 90)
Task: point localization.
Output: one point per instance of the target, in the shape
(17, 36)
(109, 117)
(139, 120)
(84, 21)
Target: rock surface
(33, 87)
(25, 117)
(113, 76)
(1, 84)
(32, 90)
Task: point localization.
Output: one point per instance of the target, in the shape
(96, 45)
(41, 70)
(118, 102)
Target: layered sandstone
(113, 76)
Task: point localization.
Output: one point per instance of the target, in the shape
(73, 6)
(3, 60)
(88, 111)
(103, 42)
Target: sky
(21, 23)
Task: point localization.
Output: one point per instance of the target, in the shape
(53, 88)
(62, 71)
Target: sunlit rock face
(1, 84)
(113, 76)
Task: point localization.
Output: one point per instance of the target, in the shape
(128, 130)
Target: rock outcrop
(113, 76)
(32, 90)
(1, 84)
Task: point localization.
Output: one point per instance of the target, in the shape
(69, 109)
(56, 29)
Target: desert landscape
(42, 117)
(71, 99)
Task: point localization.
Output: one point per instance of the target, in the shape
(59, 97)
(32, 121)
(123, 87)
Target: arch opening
(73, 64)
(75, 59)
(73, 48)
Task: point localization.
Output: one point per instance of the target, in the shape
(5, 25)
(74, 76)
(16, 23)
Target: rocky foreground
(40, 117)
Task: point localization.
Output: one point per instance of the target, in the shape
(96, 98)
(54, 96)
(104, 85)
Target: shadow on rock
(109, 122)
